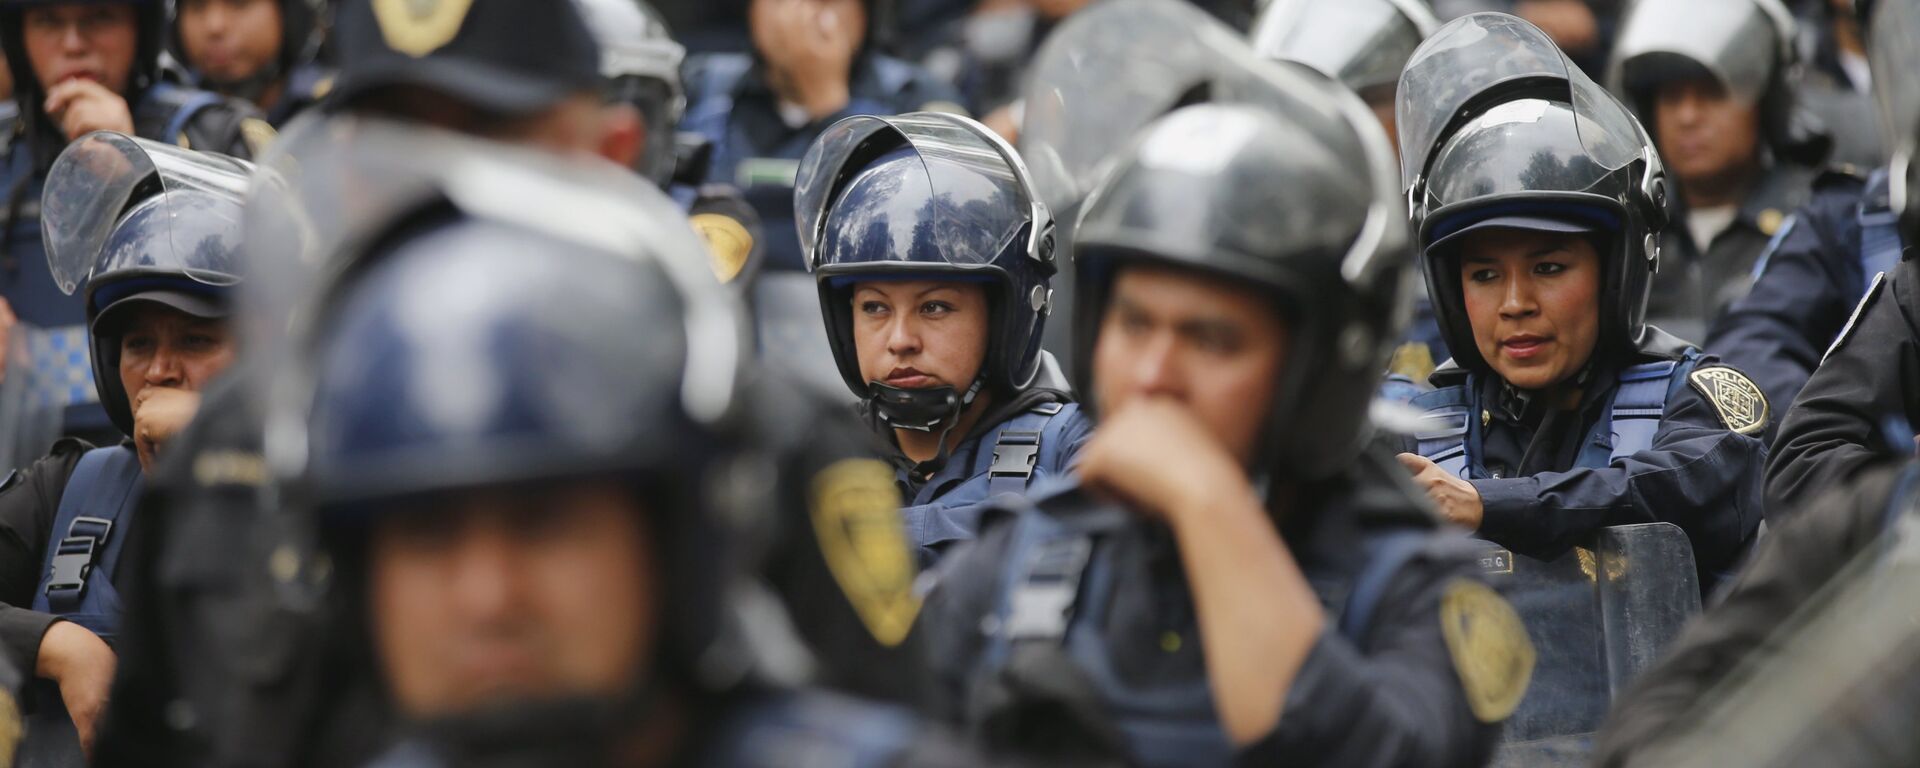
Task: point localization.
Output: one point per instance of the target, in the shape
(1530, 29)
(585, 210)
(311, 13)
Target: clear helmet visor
(1473, 55)
(965, 203)
(187, 204)
(1361, 43)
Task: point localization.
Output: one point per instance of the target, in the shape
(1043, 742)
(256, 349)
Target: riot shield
(1597, 617)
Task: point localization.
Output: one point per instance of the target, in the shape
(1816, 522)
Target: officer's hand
(159, 413)
(84, 106)
(82, 665)
(815, 56)
(1155, 454)
(1457, 499)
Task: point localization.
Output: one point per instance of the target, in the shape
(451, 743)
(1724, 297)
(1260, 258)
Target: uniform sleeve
(1398, 703)
(950, 619)
(1789, 567)
(1840, 422)
(27, 508)
(1777, 333)
(1698, 475)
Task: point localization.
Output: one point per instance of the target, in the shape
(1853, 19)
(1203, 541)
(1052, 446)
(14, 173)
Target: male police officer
(641, 64)
(79, 67)
(536, 555)
(1713, 80)
(814, 62)
(262, 51)
(1861, 402)
(1234, 575)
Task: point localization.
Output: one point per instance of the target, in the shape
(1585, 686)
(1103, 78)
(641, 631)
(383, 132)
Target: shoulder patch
(420, 27)
(1412, 360)
(856, 518)
(12, 726)
(1741, 404)
(1489, 646)
(728, 243)
(258, 134)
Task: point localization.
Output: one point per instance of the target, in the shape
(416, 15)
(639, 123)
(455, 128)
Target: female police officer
(933, 258)
(151, 231)
(1540, 205)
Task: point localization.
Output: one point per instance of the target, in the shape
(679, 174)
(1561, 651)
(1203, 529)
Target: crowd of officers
(580, 382)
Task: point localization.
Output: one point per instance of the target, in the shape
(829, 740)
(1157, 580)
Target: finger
(1415, 463)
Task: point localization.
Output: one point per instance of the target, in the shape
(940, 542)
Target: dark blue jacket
(1810, 280)
(1544, 490)
(1114, 666)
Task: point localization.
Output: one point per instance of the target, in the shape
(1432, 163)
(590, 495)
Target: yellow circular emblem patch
(728, 243)
(1489, 646)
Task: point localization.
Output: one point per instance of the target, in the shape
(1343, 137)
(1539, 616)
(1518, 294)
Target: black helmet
(1295, 198)
(936, 196)
(133, 221)
(302, 31)
(1497, 128)
(1748, 46)
(1361, 43)
(1894, 49)
(641, 65)
(508, 57)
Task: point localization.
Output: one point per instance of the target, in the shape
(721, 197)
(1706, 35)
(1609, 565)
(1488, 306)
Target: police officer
(1235, 576)
(79, 67)
(1812, 275)
(1364, 45)
(263, 51)
(151, 232)
(538, 563)
(1714, 81)
(933, 258)
(641, 64)
(813, 63)
(1562, 411)
(1858, 404)
(1838, 83)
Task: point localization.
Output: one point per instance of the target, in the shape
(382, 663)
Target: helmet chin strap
(922, 410)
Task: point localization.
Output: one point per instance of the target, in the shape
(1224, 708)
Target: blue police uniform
(1037, 442)
(1809, 281)
(1697, 282)
(1652, 440)
(1067, 622)
(755, 149)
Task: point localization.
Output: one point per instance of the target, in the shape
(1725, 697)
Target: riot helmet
(927, 196)
(1268, 198)
(641, 64)
(1893, 48)
(1498, 129)
(132, 221)
(435, 358)
(302, 31)
(505, 57)
(1747, 46)
(1362, 43)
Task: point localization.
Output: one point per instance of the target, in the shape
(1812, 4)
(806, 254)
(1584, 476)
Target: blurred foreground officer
(1714, 80)
(81, 66)
(151, 233)
(536, 561)
(262, 51)
(1862, 400)
(1235, 577)
(1837, 85)
(813, 63)
(1363, 44)
(934, 261)
(641, 66)
(1540, 205)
